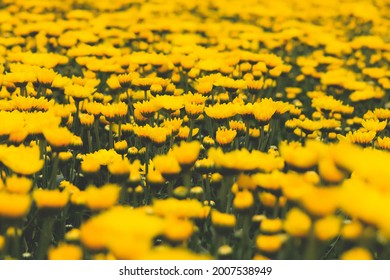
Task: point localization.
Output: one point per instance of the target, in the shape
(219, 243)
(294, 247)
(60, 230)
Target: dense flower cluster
(214, 129)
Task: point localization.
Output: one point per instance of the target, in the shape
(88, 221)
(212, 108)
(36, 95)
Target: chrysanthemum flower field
(213, 129)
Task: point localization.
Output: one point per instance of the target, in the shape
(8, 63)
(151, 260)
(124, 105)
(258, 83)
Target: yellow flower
(90, 166)
(225, 252)
(327, 228)
(383, 143)
(225, 136)
(382, 113)
(113, 83)
(172, 124)
(271, 225)
(156, 89)
(59, 137)
(298, 157)
(238, 126)
(14, 206)
(326, 103)
(269, 200)
(320, 201)
(126, 79)
(45, 76)
(204, 87)
(167, 165)
(73, 235)
(103, 197)
(155, 178)
(269, 243)
(186, 153)
(260, 257)
(264, 110)
(357, 253)
(220, 112)
(169, 103)
(270, 182)
(184, 132)
(367, 94)
(87, 120)
(194, 110)
(156, 134)
(2, 242)
(243, 200)
(352, 230)
(13, 231)
(255, 86)
(246, 182)
(147, 108)
(374, 125)
(190, 208)
(121, 147)
(20, 185)
(178, 230)
(119, 168)
(328, 171)
(50, 199)
(65, 156)
(176, 253)
(127, 232)
(254, 133)
(114, 111)
(12, 158)
(79, 92)
(222, 220)
(360, 137)
(233, 160)
(65, 252)
(308, 126)
(297, 223)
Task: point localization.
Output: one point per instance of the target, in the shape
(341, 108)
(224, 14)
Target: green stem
(23, 91)
(97, 136)
(120, 130)
(123, 195)
(276, 208)
(187, 180)
(170, 188)
(311, 247)
(223, 195)
(208, 190)
(44, 155)
(246, 143)
(89, 140)
(53, 176)
(261, 138)
(189, 139)
(45, 238)
(76, 121)
(111, 137)
(246, 251)
(16, 252)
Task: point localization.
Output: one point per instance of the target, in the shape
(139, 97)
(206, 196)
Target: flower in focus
(225, 136)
